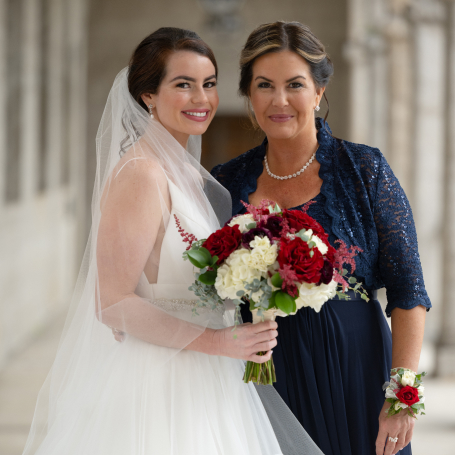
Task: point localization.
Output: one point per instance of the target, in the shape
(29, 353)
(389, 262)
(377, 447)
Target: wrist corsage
(405, 391)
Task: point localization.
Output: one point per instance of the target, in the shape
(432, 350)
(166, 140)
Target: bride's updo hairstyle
(280, 36)
(147, 66)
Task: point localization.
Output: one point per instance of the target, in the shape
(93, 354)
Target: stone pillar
(3, 88)
(55, 82)
(30, 100)
(356, 53)
(400, 93)
(77, 33)
(429, 147)
(446, 342)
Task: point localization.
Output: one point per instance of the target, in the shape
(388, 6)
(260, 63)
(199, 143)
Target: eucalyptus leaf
(251, 225)
(352, 280)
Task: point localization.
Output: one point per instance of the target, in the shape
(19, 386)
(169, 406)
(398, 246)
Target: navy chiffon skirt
(330, 368)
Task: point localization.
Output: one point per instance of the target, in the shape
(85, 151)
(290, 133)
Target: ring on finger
(393, 439)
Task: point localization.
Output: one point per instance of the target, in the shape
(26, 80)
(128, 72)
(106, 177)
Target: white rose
(242, 221)
(233, 273)
(399, 405)
(263, 254)
(408, 378)
(320, 245)
(389, 393)
(315, 296)
(421, 389)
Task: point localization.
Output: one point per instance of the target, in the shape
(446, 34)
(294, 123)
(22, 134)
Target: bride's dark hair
(147, 66)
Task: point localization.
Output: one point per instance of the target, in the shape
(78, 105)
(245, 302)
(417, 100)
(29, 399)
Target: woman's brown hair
(277, 37)
(147, 66)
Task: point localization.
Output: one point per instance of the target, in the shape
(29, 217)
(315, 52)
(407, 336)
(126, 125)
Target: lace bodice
(363, 204)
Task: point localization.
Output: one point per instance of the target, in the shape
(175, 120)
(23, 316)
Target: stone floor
(21, 380)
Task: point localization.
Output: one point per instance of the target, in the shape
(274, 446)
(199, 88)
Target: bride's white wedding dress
(188, 404)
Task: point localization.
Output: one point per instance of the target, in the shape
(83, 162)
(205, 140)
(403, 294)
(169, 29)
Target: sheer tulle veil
(88, 356)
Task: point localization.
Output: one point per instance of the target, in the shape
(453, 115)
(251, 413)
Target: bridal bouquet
(276, 261)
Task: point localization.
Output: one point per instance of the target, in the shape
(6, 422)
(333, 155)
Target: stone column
(56, 114)
(400, 93)
(3, 88)
(77, 114)
(30, 100)
(446, 342)
(356, 53)
(429, 147)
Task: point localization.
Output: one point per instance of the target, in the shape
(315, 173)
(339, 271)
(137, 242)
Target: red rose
(296, 253)
(301, 220)
(223, 242)
(408, 395)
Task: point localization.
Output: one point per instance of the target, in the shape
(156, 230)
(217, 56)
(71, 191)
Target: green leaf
(390, 400)
(312, 244)
(364, 297)
(344, 272)
(200, 258)
(352, 280)
(251, 225)
(214, 261)
(272, 302)
(277, 281)
(285, 302)
(208, 277)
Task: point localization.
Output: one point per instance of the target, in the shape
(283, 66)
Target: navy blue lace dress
(331, 365)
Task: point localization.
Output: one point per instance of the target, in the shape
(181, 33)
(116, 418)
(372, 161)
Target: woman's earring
(150, 111)
(317, 108)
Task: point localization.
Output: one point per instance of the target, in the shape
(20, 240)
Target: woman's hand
(246, 341)
(400, 425)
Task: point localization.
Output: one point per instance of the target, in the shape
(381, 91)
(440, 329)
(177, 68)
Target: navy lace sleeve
(399, 261)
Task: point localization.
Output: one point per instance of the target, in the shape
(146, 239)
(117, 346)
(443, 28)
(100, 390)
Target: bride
(174, 384)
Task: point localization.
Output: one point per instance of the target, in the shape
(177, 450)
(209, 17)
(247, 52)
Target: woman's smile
(197, 115)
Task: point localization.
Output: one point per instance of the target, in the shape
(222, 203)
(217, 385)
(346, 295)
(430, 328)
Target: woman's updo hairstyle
(147, 67)
(280, 36)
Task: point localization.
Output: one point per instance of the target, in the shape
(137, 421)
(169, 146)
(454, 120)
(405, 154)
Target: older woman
(331, 365)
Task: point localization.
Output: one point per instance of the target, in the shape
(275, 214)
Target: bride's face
(187, 98)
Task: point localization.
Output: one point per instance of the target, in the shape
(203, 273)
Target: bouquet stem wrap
(261, 373)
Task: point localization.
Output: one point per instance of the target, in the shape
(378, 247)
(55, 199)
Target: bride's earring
(150, 111)
(317, 108)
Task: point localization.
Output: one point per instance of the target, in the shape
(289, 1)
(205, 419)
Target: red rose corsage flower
(408, 395)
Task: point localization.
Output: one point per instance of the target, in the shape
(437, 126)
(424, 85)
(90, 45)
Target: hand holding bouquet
(276, 261)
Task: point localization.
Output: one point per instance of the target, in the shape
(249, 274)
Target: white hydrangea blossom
(263, 254)
(234, 272)
(314, 296)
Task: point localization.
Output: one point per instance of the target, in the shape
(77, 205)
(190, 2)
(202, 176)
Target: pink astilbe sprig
(340, 280)
(345, 256)
(306, 206)
(289, 278)
(286, 229)
(187, 237)
(260, 213)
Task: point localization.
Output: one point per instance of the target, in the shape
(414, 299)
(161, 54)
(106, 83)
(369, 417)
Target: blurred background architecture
(394, 88)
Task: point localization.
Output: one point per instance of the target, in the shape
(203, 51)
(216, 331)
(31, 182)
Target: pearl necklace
(291, 175)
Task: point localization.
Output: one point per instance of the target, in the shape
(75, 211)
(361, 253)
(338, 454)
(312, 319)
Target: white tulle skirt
(194, 404)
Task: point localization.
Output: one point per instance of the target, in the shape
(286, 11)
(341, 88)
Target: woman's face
(283, 95)
(187, 97)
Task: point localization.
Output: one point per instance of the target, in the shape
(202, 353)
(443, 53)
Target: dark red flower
(408, 395)
(223, 242)
(326, 272)
(296, 253)
(274, 224)
(299, 220)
